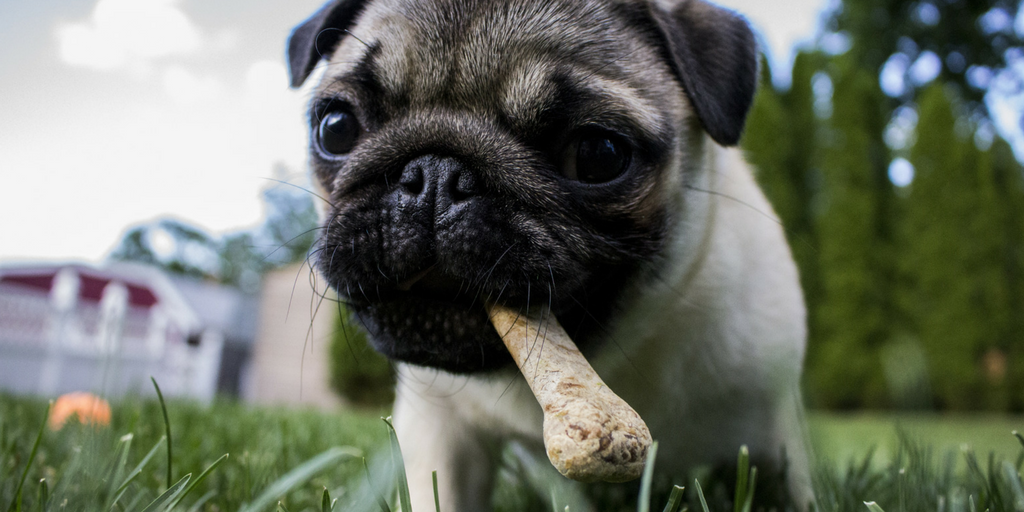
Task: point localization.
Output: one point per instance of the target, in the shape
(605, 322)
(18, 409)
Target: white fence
(51, 345)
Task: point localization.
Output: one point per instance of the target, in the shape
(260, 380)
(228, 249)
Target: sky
(114, 113)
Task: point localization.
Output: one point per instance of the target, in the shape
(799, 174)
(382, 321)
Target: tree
(1009, 187)
(952, 234)
(358, 373)
(237, 259)
(172, 244)
(291, 223)
(969, 39)
(853, 247)
(903, 284)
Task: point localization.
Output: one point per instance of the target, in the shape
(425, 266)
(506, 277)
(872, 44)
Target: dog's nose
(438, 182)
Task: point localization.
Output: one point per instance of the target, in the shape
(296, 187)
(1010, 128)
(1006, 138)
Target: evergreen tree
(1009, 186)
(952, 254)
(853, 247)
(961, 33)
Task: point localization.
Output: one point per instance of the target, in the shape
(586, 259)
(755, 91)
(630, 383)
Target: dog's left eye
(338, 133)
(597, 157)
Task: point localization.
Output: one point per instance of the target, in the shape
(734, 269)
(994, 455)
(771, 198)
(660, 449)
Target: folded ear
(714, 54)
(317, 37)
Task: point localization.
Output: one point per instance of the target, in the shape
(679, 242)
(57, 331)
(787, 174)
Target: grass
(229, 457)
(842, 438)
(81, 467)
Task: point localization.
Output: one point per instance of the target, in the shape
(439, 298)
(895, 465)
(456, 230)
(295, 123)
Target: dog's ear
(714, 54)
(317, 37)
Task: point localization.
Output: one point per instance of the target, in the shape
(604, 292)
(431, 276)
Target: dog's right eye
(338, 133)
(597, 156)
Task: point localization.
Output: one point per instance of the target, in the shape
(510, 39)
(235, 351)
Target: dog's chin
(433, 319)
(426, 330)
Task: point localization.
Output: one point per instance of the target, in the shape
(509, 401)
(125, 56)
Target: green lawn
(79, 462)
(838, 438)
(83, 468)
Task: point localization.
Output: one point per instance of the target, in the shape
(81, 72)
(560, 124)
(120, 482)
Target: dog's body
(709, 358)
(565, 153)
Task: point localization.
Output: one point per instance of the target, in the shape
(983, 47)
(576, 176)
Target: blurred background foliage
(239, 258)
(358, 373)
(903, 205)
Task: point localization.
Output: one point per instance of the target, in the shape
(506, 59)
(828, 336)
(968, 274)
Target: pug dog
(571, 154)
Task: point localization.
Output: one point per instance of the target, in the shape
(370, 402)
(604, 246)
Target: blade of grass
(1013, 480)
(700, 494)
(162, 502)
(1019, 437)
(752, 484)
(742, 475)
(861, 472)
(122, 461)
(437, 499)
(674, 499)
(996, 500)
(167, 428)
(873, 507)
(325, 502)
(136, 472)
(281, 507)
(43, 495)
(381, 502)
(202, 476)
(134, 504)
(198, 505)
(643, 503)
(301, 475)
(404, 502)
(16, 502)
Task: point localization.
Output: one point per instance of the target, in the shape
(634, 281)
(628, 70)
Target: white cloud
(125, 155)
(266, 79)
(187, 88)
(122, 33)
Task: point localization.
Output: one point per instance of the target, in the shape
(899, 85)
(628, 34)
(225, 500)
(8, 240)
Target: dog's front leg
(435, 435)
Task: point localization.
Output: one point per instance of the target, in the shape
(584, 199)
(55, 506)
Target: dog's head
(520, 151)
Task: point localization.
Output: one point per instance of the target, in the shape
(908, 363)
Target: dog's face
(522, 152)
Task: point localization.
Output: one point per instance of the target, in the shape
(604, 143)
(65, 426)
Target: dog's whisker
(304, 189)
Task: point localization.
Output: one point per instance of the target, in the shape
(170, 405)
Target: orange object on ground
(89, 408)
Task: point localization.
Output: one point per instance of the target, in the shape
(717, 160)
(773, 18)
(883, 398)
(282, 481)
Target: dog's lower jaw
(451, 331)
(448, 336)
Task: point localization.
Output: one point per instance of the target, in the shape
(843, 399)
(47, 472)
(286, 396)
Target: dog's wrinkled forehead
(510, 56)
(464, 51)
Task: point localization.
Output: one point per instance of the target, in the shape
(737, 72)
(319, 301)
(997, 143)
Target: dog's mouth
(433, 318)
(407, 284)
(435, 282)
(432, 284)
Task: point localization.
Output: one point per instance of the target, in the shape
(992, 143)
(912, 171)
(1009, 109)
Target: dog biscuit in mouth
(590, 434)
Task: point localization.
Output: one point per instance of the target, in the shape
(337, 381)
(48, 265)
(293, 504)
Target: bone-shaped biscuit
(590, 434)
